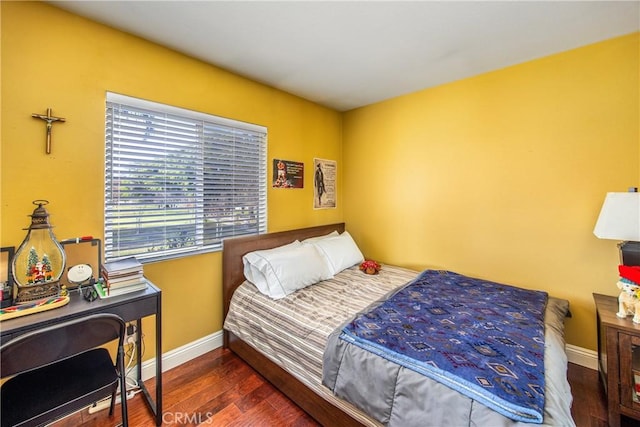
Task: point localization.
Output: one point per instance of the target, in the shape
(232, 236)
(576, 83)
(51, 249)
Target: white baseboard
(171, 359)
(582, 356)
(180, 355)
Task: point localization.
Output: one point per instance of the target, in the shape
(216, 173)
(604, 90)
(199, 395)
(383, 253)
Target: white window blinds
(178, 182)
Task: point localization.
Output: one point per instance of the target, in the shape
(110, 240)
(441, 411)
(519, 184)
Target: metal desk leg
(159, 362)
(157, 407)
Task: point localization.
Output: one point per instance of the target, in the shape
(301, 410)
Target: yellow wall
(51, 58)
(500, 176)
(503, 175)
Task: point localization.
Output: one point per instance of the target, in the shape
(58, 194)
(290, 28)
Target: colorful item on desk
(34, 307)
(39, 261)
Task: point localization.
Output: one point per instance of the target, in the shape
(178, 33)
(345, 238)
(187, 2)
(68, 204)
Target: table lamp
(620, 220)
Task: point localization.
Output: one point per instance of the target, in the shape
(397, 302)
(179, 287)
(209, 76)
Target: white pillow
(253, 273)
(341, 251)
(281, 271)
(315, 239)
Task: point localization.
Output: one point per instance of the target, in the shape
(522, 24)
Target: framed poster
(324, 183)
(288, 174)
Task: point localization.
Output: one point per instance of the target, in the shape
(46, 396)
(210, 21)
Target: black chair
(59, 370)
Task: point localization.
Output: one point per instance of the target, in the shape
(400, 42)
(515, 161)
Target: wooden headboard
(234, 249)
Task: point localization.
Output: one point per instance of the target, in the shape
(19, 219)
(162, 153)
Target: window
(178, 182)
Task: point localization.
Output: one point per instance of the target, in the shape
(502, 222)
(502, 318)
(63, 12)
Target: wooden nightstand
(618, 358)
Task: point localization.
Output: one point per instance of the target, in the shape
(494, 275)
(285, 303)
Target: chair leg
(123, 388)
(113, 400)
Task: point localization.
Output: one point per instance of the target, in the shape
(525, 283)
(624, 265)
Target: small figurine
(629, 300)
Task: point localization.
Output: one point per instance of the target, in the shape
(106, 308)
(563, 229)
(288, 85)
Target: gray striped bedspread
(293, 332)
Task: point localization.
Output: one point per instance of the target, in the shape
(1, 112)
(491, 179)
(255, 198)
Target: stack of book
(121, 277)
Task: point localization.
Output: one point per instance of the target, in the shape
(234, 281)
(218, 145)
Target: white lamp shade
(620, 217)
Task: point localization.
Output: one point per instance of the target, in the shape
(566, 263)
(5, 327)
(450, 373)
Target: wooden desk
(131, 307)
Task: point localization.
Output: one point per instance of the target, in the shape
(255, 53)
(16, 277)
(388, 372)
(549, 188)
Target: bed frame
(232, 277)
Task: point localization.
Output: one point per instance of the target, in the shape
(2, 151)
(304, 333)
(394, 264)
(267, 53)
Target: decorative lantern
(39, 261)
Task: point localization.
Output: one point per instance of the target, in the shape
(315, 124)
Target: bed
(297, 374)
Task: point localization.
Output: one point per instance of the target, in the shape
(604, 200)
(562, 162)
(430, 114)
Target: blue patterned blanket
(483, 339)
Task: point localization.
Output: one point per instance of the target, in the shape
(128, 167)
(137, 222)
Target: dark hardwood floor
(219, 389)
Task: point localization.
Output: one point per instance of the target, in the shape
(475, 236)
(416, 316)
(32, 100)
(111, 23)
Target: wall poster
(324, 183)
(288, 174)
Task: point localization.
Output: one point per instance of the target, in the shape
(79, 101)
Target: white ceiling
(346, 54)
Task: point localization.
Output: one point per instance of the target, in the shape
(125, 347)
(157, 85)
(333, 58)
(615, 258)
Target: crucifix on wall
(50, 120)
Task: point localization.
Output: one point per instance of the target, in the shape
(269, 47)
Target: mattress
(293, 331)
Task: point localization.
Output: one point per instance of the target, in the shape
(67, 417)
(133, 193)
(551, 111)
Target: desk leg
(157, 408)
(139, 353)
(159, 362)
